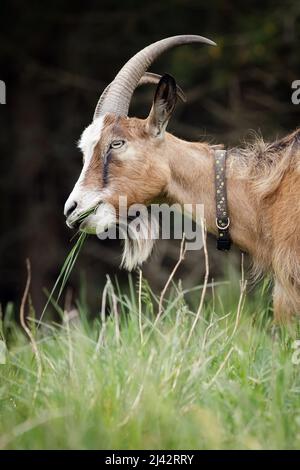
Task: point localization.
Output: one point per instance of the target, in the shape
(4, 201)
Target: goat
(139, 159)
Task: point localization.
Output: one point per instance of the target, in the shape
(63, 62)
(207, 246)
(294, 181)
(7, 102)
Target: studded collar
(222, 216)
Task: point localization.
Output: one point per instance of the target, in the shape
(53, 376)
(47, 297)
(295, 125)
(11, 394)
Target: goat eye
(116, 144)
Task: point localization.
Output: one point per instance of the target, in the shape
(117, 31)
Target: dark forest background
(56, 57)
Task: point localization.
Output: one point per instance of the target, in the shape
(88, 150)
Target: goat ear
(163, 105)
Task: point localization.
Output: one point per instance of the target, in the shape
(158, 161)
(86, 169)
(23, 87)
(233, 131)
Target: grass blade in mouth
(65, 271)
(86, 213)
(69, 263)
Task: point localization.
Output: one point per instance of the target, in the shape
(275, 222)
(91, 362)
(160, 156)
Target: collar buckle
(223, 224)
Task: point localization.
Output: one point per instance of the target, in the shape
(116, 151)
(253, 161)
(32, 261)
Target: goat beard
(138, 245)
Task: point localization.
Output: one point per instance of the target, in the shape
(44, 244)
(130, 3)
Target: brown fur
(263, 184)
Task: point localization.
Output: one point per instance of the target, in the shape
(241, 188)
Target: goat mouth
(80, 219)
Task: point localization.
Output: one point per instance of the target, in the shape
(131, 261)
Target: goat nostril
(71, 209)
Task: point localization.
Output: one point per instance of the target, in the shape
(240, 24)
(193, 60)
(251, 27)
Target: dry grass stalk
(28, 331)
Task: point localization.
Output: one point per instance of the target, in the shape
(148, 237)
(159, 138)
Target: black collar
(222, 217)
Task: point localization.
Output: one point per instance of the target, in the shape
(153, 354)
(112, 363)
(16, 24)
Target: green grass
(232, 385)
(69, 262)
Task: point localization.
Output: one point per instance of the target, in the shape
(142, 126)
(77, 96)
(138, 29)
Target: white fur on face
(135, 252)
(103, 218)
(86, 198)
(138, 246)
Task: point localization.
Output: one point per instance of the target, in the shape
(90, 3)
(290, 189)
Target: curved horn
(118, 96)
(147, 78)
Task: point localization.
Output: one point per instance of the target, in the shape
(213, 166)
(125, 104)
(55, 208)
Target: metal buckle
(224, 227)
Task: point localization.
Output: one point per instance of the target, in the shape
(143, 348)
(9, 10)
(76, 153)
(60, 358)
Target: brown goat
(138, 159)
